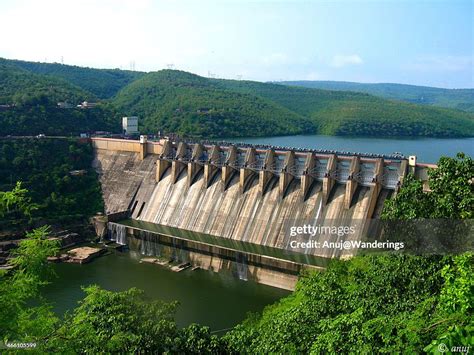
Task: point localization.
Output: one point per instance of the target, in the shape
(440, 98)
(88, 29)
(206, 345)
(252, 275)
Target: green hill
(192, 105)
(171, 100)
(103, 83)
(17, 85)
(460, 99)
(180, 102)
(352, 113)
(33, 107)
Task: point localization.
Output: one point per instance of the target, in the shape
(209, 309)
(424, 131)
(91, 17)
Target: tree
(19, 287)
(451, 195)
(109, 321)
(118, 322)
(454, 316)
(16, 200)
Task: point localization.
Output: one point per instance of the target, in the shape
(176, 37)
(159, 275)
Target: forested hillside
(175, 100)
(45, 167)
(32, 106)
(18, 85)
(460, 99)
(359, 114)
(187, 104)
(103, 83)
(40, 115)
(192, 105)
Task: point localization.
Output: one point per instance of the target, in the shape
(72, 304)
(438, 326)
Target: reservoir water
(214, 299)
(427, 150)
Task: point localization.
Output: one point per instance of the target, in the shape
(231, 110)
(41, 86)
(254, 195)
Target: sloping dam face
(208, 206)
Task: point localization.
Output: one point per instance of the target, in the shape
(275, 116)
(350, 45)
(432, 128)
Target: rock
(181, 267)
(83, 255)
(67, 240)
(154, 261)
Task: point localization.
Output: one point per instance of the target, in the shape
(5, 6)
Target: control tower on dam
(246, 201)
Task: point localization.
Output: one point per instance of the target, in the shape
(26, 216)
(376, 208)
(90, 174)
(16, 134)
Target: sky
(403, 41)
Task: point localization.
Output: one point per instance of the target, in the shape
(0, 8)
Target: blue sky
(415, 42)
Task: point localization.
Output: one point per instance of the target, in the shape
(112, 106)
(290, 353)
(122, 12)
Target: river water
(427, 150)
(208, 298)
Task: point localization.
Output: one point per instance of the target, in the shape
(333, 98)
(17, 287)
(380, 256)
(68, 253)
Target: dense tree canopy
(195, 106)
(359, 114)
(46, 168)
(33, 106)
(18, 85)
(460, 99)
(370, 304)
(123, 322)
(19, 318)
(103, 83)
(451, 195)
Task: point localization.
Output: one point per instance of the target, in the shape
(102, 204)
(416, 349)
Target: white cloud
(339, 61)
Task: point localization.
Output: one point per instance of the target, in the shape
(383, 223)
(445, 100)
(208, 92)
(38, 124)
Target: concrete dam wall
(246, 195)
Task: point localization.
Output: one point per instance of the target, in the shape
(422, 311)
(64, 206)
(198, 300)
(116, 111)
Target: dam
(237, 208)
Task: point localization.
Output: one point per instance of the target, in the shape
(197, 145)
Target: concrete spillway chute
(307, 177)
(164, 160)
(352, 182)
(246, 172)
(287, 174)
(230, 167)
(376, 187)
(195, 165)
(266, 174)
(179, 162)
(212, 166)
(329, 178)
(402, 173)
